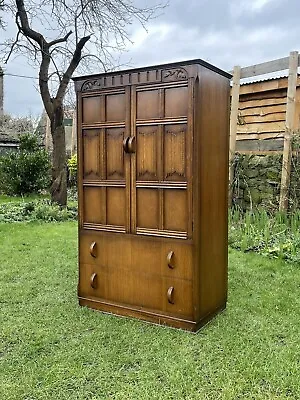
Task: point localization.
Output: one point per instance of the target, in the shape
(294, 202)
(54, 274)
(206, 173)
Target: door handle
(129, 144)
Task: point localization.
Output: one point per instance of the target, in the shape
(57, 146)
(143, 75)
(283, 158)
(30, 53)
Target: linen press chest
(153, 183)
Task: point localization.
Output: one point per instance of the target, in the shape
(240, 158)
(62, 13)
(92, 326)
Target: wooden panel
(175, 210)
(266, 127)
(147, 208)
(115, 168)
(146, 153)
(262, 102)
(176, 102)
(116, 210)
(277, 108)
(276, 117)
(92, 205)
(174, 148)
(91, 154)
(148, 104)
(264, 95)
(211, 221)
(91, 109)
(115, 107)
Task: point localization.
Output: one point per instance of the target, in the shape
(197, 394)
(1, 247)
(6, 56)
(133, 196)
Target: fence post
(235, 95)
(289, 127)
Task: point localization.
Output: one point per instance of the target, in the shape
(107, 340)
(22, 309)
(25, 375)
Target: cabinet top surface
(174, 65)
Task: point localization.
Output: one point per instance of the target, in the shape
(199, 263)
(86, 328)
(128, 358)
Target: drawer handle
(170, 259)
(93, 280)
(93, 249)
(170, 295)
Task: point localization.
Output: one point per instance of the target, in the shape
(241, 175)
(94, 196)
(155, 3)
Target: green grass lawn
(50, 348)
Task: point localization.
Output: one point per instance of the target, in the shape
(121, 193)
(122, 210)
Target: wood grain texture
(153, 164)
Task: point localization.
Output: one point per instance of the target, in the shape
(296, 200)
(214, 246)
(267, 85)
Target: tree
(60, 35)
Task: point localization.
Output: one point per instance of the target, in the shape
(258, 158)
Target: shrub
(72, 166)
(41, 210)
(27, 170)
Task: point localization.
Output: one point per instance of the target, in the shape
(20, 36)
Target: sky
(222, 32)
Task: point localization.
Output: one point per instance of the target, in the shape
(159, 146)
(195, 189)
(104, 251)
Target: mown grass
(53, 349)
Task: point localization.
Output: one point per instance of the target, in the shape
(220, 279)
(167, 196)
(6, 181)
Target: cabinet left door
(104, 165)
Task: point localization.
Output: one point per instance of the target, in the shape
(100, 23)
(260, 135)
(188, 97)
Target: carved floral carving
(174, 74)
(91, 85)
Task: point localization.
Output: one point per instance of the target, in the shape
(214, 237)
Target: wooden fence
(264, 117)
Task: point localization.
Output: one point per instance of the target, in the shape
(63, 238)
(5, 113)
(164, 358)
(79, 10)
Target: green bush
(72, 166)
(41, 210)
(27, 170)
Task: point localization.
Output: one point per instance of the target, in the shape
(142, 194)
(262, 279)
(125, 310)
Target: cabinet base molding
(147, 315)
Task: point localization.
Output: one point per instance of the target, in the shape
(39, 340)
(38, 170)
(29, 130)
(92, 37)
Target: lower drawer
(170, 295)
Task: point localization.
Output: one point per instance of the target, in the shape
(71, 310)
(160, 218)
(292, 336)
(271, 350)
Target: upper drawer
(152, 257)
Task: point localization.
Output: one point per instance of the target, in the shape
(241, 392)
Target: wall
(257, 181)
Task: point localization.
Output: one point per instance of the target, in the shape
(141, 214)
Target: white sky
(222, 32)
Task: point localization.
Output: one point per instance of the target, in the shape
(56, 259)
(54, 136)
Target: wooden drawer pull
(170, 260)
(93, 249)
(170, 295)
(93, 280)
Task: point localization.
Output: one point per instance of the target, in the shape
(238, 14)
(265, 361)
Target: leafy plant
(27, 170)
(41, 210)
(274, 235)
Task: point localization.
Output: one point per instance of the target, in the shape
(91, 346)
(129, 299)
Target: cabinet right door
(161, 121)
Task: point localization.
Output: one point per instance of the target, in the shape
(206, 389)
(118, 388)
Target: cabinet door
(105, 165)
(161, 166)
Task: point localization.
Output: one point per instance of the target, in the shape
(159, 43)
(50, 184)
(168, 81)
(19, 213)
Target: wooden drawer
(169, 259)
(172, 296)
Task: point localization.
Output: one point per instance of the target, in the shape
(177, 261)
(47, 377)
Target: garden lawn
(51, 348)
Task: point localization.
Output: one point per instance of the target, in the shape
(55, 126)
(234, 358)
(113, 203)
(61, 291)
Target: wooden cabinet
(153, 175)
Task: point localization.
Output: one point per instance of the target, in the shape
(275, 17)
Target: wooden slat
(266, 67)
(275, 117)
(277, 108)
(290, 126)
(260, 136)
(262, 102)
(233, 121)
(274, 94)
(265, 86)
(260, 128)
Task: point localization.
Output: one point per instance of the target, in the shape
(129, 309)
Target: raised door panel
(174, 152)
(147, 157)
(176, 102)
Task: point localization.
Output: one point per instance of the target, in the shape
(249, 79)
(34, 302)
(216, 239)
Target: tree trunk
(58, 188)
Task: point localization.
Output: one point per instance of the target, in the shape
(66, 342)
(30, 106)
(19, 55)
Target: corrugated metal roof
(249, 81)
